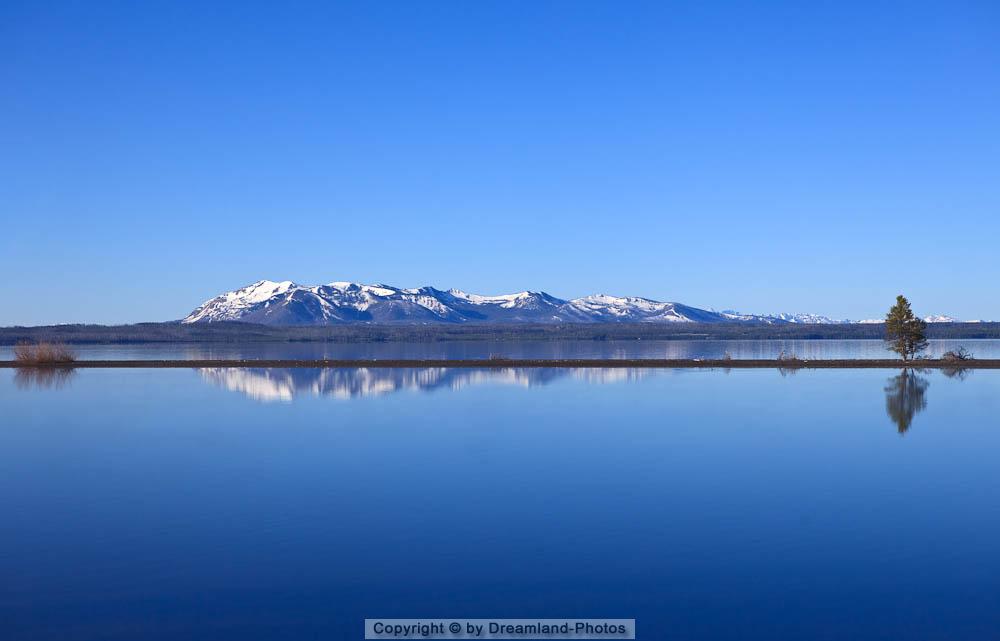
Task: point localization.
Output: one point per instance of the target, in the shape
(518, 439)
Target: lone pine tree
(904, 332)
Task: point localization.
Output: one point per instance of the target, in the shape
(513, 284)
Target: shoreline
(515, 362)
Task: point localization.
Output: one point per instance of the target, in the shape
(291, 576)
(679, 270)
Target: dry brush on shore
(43, 353)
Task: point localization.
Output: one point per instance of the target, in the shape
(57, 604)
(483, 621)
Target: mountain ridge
(270, 302)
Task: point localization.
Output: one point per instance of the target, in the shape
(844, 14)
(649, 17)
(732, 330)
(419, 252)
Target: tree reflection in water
(905, 397)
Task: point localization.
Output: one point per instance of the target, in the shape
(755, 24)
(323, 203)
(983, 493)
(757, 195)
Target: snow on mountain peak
(339, 302)
(268, 288)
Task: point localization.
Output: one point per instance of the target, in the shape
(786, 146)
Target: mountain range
(286, 303)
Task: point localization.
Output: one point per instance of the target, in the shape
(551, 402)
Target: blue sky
(777, 156)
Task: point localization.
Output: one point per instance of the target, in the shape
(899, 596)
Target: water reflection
(905, 393)
(275, 384)
(905, 397)
(43, 377)
(957, 373)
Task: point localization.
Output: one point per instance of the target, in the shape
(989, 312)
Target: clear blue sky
(772, 156)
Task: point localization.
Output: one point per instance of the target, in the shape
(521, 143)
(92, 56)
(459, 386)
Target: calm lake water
(766, 349)
(291, 504)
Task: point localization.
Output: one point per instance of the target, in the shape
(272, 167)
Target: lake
(260, 504)
(551, 349)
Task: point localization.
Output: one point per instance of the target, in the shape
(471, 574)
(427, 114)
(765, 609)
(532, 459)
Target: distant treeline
(234, 332)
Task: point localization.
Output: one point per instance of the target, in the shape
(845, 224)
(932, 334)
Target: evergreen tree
(904, 332)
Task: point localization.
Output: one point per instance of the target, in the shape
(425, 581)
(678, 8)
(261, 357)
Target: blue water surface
(291, 504)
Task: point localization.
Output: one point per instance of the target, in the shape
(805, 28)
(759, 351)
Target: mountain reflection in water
(905, 393)
(276, 384)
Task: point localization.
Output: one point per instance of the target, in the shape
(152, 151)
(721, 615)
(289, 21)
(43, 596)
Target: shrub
(42, 353)
(960, 354)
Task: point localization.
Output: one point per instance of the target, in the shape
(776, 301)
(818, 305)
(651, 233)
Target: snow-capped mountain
(927, 319)
(811, 319)
(287, 303)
